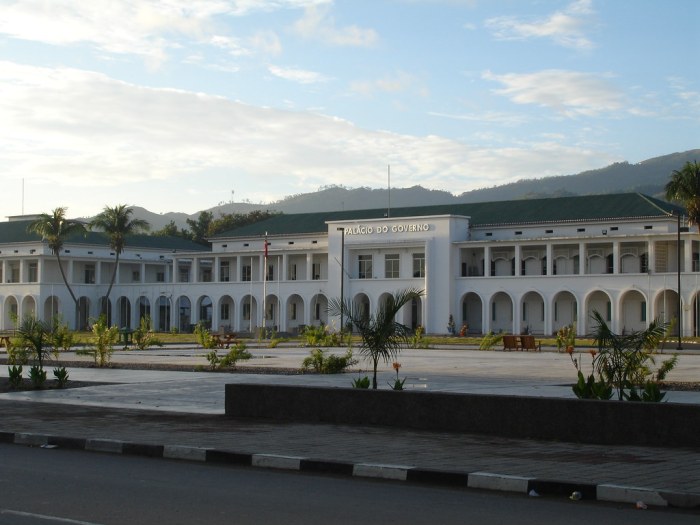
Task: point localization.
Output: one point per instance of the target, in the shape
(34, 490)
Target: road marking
(45, 517)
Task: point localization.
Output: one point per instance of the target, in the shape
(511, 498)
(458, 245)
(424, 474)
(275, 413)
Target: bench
(5, 341)
(511, 342)
(528, 342)
(224, 340)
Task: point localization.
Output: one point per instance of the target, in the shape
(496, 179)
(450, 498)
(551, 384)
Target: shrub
(103, 344)
(37, 376)
(204, 337)
(322, 336)
(61, 375)
(361, 382)
(61, 337)
(237, 353)
(144, 337)
(323, 363)
(490, 340)
(14, 373)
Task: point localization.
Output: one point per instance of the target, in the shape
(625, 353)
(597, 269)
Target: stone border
(520, 417)
(407, 473)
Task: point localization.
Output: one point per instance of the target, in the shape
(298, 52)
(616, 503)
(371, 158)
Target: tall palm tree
(684, 187)
(117, 223)
(55, 228)
(382, 336)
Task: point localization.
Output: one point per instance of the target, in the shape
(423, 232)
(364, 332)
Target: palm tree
(684, 187)
(116, 222)
(55, 228)
(382, 336)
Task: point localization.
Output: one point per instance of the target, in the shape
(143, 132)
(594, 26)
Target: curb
(640, 496)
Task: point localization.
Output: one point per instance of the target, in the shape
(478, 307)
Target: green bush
(322, 336)
(37, 376)
(61, 337)
(14, 373)
(323, 363)
(104, 339)
(237, 353)
(361, 382)
(144, 337)
(204, 337)
(61, 375)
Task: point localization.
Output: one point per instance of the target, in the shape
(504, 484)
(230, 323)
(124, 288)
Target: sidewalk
(95, 419)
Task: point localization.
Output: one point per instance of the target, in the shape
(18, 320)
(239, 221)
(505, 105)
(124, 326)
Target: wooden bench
(511, 342)
(528, 342)
(5, 341)
(224, 340)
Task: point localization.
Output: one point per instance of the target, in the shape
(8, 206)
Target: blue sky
(179, 105)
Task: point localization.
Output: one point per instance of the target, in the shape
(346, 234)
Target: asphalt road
(52, 486)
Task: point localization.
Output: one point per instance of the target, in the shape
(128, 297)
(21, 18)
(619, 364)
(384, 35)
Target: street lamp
(342, 277)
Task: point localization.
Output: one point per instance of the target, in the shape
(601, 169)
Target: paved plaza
(182, 410)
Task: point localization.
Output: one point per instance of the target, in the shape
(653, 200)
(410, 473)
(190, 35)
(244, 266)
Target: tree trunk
(374, 378)
(111, 282)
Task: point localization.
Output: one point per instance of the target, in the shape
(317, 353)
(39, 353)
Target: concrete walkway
(180, 415)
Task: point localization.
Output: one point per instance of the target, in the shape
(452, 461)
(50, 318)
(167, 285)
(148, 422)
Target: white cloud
(146, 28)
(318, 24)
(297, 75)
(494, 117)
(566, 28)
(569, 93)
(74, 133)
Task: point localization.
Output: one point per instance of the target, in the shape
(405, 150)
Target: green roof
(16, 232)
(524, 211)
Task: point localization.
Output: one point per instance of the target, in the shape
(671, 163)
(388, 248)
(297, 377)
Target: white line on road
(45, 517)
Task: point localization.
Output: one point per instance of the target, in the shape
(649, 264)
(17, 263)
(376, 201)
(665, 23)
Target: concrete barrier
(574, 420)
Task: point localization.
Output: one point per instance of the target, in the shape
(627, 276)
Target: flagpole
(264, 303)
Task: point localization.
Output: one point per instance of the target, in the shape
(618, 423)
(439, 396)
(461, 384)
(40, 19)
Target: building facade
(513, 266)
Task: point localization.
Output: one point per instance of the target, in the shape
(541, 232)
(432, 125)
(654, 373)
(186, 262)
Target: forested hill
(647, 177)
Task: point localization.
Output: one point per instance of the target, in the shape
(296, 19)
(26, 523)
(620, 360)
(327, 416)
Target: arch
(565, 310)
(83, 317)
(248, 314)
(295, 313)
(10, 311)
(28, 306)
(666, 307)
(183, 306)
(226, 310)
(501, 305)
(272, 312)
(318, 309)
(362, 305)
(472, 313)
(601, 302)
(414, 316)
(205, 311)
(163, 313)
(144, 306)
(52, 308)
(532, 311)
(123, 312)
(633, 311)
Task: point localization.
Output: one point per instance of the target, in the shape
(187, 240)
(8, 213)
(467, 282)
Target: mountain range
(648, 177)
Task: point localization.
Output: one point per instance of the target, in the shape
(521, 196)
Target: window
(292, 272)
(293, 313)
(644, 262)
(135, 276)
(33, 272)
(418, 265)
(246, 311)
(160, 277)
(89, 274)
(184, 275)
(643, 311)
(391, 266)
(246, 274)
(225, 311)
(224, 274)
(365, 266)
(316, 271)
(270, 272)
(317, 311)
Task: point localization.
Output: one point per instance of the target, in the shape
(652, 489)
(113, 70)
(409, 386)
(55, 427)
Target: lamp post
(342, 277)
(678, 274)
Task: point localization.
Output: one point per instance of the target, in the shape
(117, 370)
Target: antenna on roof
(388, 179)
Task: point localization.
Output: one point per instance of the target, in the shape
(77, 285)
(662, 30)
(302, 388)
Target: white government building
(511, 266)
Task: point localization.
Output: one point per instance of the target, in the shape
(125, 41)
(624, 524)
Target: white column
(518, 260)
(616, 257)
